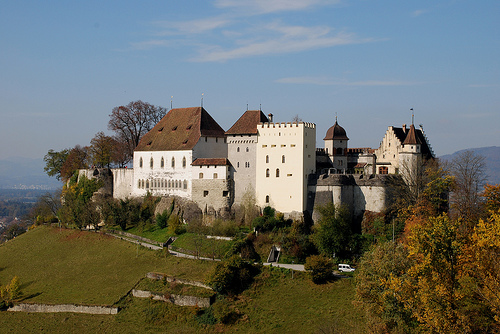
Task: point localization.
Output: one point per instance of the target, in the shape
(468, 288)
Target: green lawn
(71, 266)
(154, 233)
(197, 244)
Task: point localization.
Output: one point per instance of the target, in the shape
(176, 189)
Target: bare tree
(468, 169)
(134, 120)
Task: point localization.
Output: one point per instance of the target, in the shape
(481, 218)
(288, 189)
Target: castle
(187, 154)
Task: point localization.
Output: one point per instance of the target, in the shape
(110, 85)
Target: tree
(134, 120)
(231, 276)
(379, 288)
(332, 233)
(101, 150)
(319, 267)
(77, 159)
(492, 195)
(468, 169)
(54, 162)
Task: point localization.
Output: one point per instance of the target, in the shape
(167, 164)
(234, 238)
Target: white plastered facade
(285, 158)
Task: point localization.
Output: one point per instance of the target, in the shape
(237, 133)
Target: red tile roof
(211, 162)
(411, 138)
(336, 132)
(247, 123)
(180, 129)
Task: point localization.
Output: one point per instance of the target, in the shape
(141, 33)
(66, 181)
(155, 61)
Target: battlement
(268, 125)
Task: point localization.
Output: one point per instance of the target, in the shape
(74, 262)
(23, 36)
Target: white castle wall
(286, 155)
(242, 151)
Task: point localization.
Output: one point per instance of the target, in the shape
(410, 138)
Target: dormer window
(185, 142)
(189, 127)
(160, 129)
(174, 128)
(149, 144)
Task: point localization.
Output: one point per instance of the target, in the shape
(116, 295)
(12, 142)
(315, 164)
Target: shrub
(231, 276)
(319, 267)
(175, 225)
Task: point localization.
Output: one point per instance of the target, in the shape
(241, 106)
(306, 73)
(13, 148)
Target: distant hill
(25, 173)
(492, 158)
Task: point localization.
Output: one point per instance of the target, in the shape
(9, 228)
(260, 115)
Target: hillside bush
(320, 268)
(231, 276)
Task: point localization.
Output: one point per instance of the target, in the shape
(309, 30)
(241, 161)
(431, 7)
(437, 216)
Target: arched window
(168, 184)
(185, 184)
(200, 176)
(238, 164)
(162, 162)
(142, 184)
(173, 162)
(247, 149)
(339, 151)
(139, 184)
(147, 184)
(282, 159)
(237, 149)
(176, 184)
(140, 162)
(277, 172)
(267, 198)
(215, 175)
(184, 162)
(383, 170)
(267, 159)
(267, 172)
(151, 163)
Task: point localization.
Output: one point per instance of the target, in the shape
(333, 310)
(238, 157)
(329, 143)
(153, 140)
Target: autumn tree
(101, 150)
(468, 169)
(77, 159)
(54, 162)
(492, 195)
(134, 120)
(380, 275)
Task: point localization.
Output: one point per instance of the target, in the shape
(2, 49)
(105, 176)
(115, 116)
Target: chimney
(270, 117)
(404, 128)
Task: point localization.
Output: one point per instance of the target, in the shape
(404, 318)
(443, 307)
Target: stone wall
(359, 192)
(159, 276)
(24, 307)
(213, 196)
(181, 300)
(123, 180)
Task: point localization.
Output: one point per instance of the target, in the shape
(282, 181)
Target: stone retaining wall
(181, 300)
(133, 236)
(44, 308)
(158, 276)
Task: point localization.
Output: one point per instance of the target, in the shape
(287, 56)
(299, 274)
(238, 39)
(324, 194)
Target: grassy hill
(69, 266)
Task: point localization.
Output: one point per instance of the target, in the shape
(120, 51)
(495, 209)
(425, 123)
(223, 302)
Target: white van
(345, 268)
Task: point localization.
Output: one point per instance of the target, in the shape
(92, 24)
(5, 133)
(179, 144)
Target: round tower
(336, 147)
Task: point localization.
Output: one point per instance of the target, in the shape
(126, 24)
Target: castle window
(277, 172)
(339, 151)
(139, 184)
(173, 162)
(383, 170)
(176, 184)
(237, 149)
(247, 149)
(185, 184)
(205, 193)
(282, 159)
(267, 172)
(293, 145)
(215, 175)
(151, 163)
(238, 164)
(200, 176)
(225, 193)
(168, 184)
(267, 159)
(267, 198)
(147, 184)
(140, 162)
(162, 162)
(206, 139)
(216, 139)
(142, 186)
(184, 162)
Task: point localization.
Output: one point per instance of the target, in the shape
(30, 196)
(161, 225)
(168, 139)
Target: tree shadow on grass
(30, 296)
(24, 285)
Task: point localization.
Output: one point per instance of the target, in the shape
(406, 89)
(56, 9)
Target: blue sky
(64, 65)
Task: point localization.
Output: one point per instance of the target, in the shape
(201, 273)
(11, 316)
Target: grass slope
(70, 266)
